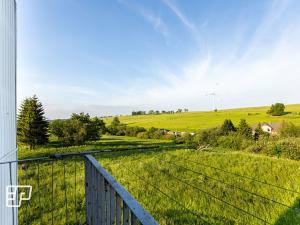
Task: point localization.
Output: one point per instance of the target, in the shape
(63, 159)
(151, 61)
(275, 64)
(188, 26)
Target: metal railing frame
(107, 201)
(105, 197)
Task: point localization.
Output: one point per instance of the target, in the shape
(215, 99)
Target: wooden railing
(107, 202)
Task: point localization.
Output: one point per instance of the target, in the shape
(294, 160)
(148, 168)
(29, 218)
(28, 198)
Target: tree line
(157, 112)
(34, 129)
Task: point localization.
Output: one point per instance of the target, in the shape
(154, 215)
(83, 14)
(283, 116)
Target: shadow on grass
(290, 216)
(115, 147)
(183, 217)
(106, 141)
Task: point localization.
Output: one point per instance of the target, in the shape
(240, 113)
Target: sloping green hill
(193, 121)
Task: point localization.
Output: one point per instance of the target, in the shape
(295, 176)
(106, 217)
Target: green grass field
(176, 185)
(193, 121)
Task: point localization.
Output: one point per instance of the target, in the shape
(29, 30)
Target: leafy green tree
(115, 127)
(57, 128)
(82, 117)
(98, 126)
(32, 126)
(179, 111)
(277, 109)
(244, 129)
(94, 126)
(227, 127)
(115, 122)
(74, 132)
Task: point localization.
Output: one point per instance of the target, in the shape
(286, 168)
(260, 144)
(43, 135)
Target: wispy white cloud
(267, 25)
(176, 10)
(153, 18)
(251, 80)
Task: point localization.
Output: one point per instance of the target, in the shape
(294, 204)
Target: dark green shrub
(114, 127)
(143, 135)
(277, 109)
(244, 129)
(74, 132)
(255, 148)
(169, 136)
(227, 127)
(208, 136)
(94, 126)
(133, 131)
(56, 128)
(289, 129)
(288, 148)
(231, 141)
(186, 139)
(154, 133)
(258, 145)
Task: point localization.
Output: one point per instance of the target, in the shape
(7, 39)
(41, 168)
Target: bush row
(286, 144)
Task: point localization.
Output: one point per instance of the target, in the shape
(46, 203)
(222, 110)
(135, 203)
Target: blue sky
(114, 56)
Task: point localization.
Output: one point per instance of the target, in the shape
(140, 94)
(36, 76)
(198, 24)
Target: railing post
(104, 196)
(88, 192)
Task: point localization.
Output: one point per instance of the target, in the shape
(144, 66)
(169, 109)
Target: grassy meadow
(193, 121)
(176, 185)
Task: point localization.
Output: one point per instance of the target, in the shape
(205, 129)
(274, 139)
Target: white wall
(266, 128)
(7, 104)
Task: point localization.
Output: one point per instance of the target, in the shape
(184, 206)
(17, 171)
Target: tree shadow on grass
(109, 145)
(108, 141)
(290, 216)
(183, 217)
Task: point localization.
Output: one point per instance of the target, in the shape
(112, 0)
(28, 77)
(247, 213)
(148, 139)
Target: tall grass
(176, 186)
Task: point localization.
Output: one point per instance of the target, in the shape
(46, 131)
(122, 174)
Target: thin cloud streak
(252, 81)
(268, 71)
(174, 8)
(277, 8)
(154, 19)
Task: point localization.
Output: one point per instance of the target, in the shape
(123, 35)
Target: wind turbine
(213, 94)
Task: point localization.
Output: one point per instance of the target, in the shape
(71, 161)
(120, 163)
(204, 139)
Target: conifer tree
(244, 129)
(32, 126)
(227, 127)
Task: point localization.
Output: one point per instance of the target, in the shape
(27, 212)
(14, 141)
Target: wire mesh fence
(174, 190)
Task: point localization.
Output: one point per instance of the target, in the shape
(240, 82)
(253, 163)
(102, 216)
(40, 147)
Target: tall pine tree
(32, 127)
(227, 127)
(244, 129)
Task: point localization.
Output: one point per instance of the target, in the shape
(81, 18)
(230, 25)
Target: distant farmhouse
(175, 133)
(270, 128)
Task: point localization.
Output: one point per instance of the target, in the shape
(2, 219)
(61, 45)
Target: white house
(8, 147)
(271, 128)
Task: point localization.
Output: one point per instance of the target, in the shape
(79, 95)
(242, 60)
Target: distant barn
(270, 128)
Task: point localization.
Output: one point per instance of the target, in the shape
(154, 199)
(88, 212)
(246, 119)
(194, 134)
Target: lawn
(176, 185)
(193, 121)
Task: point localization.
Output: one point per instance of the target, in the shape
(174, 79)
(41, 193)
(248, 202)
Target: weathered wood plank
(134, 220)
(125, 214)
(141, 214)
(102, 201)
(88, 191)
(107, 200)
(94, 196)
(118, 209)
(98, 200)
(112, 206)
